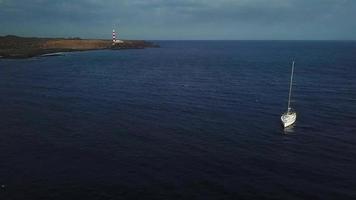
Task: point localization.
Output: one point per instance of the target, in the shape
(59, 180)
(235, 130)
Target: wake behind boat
(288, 118)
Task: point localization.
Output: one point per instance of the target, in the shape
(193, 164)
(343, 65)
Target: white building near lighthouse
(114, 40)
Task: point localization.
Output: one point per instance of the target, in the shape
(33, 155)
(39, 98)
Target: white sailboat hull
(288, 119)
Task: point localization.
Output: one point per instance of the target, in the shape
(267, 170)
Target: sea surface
(189, 120)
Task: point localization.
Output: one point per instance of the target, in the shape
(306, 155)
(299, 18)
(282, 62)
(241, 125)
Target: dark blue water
(189, 120)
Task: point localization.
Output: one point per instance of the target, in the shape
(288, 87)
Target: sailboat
(288, 118)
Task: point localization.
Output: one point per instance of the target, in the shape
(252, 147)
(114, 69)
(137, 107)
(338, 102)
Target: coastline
(15, 47)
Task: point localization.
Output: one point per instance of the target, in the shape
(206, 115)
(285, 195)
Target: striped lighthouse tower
(113, 36)
(114, 40)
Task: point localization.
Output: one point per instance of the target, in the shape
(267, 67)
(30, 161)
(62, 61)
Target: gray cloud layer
(184, 19)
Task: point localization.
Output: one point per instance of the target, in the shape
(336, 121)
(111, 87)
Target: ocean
(189, 120)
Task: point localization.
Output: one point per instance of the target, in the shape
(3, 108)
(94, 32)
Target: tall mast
(290, 85)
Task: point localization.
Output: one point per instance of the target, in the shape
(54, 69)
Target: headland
(26, 47)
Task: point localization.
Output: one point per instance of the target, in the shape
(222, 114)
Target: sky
(181, 19)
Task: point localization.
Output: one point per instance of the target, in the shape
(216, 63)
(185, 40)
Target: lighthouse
(113, 36)
(114, 40)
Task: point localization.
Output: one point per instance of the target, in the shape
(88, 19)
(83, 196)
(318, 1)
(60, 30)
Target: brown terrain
(25, 47)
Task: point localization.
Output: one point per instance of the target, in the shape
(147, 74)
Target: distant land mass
(25, 47)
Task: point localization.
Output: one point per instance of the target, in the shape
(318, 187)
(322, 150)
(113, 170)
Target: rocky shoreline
(25, 47)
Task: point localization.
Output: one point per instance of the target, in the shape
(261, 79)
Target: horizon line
(99, 38)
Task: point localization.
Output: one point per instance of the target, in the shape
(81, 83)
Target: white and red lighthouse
(114, 40)
(113, 36)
